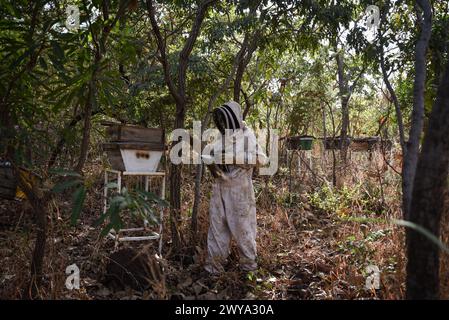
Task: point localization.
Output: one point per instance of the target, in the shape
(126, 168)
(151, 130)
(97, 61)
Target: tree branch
(162, 51)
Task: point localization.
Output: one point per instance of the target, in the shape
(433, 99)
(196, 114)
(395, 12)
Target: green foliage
(348, 201)
(71, 181)
(290, 81)
(140, 204)
(335, 201)
(361, 250)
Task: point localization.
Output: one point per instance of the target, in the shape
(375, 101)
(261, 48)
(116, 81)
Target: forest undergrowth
(315, 241)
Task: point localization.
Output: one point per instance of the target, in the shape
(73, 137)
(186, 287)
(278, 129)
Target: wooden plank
(152, 146)
(155, 173)
(110, 123)
(135, 134)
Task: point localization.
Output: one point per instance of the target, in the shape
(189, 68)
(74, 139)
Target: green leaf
(42, 63)
(60, 187)
(153, 197)
(20, 59)
(117, 200)
(57, 50)
(78, 202)
(100, 220)
(106, 229)
(407, 224)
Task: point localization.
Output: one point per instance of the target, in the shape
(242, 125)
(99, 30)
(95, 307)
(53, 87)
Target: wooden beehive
(370, 144)
(335, 143)
(134, 148)
(364, 144)
(300, 142)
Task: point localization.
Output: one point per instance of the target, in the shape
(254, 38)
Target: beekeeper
(232, 211)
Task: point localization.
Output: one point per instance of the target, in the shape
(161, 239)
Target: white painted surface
(134, 164)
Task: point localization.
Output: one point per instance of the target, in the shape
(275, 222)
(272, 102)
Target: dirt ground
(304, 251)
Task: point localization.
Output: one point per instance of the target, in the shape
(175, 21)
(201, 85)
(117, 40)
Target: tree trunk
(179, 94)
(247, 105)
(62, 140)
(200, 168)
(39, 208)
(427, 202)
(249, 45)
(38, 203)
(175, 185)
(395, 100)
(238, 80)
(344, 98)
(417, 121)
(87, 125)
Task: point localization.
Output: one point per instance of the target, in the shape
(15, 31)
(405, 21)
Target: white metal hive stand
(119, 236)
(305, 155)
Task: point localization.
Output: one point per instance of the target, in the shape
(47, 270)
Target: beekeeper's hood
(229, 116)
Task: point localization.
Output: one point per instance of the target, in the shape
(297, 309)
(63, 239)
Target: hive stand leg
(146, 183)
(119, 182)
(310, 159)
(105, 192)
(161, 217)
(119, 189)
(145, 222)
(289, 165)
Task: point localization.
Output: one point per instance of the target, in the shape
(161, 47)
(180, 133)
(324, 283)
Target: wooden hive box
(370, 144)
(134, 148)
(335, 143)
(300, 142)
(364, 144)
(128, 133)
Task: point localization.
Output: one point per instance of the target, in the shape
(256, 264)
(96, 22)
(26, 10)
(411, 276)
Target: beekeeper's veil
(228, 116)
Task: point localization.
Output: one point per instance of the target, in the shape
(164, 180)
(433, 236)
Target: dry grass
(308, 249)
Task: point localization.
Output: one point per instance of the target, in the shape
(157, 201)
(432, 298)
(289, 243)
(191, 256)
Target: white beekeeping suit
(232, 211)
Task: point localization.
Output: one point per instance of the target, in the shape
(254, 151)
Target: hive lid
(155, 146)
(131, 133)
(303, 137)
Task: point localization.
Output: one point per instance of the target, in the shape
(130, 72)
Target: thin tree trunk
(428, 199)
(100, 49)
(85, 142)
(178, 92)
(417, 121)
(175, 185)
(238, 81)
(60, 144)
(344, 98)
(334, 158)
(250, 43)
(247, 104)
(396, 104)
(39, 206)
(200, 168)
